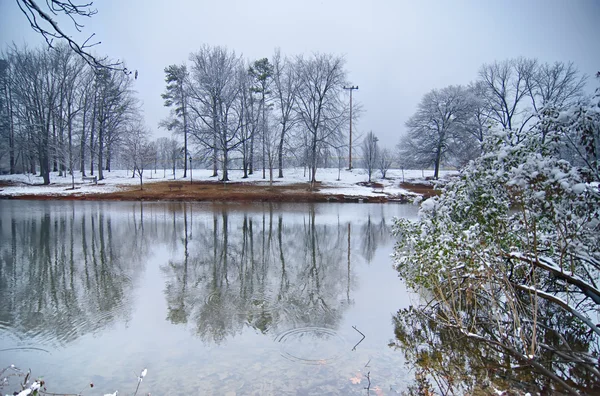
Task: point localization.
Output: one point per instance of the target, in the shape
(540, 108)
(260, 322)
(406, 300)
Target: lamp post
(191, 169)
(352, 88)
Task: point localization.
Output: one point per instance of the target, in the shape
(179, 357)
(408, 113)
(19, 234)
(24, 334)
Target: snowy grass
(347, 184)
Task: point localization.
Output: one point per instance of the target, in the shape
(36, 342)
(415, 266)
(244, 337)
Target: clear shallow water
(212, 299)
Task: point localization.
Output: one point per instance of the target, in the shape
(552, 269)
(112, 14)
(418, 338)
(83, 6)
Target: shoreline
(212, 191)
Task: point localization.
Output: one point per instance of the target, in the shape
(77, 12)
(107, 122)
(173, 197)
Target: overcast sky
(395, 51)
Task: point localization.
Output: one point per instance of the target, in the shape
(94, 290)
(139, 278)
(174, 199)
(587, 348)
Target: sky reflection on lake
(251, 299)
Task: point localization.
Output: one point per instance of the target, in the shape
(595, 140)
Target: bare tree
(115, 106)
(69, 72)
(319, 106)
(286, 89)
(61, 111)
(370, 153)
(215, 95)
(87, 100)
(7, 127)
(433, 129)
(506, 86)
(385, 161)
(169, 151)
(249, 114)
(36, 90)
(139, 151)
(556, 85)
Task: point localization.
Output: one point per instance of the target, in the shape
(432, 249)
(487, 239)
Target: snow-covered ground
(347, 184)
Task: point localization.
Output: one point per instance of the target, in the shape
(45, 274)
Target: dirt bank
(239, 192)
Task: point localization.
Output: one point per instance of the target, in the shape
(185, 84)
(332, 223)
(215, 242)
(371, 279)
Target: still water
(228, 299)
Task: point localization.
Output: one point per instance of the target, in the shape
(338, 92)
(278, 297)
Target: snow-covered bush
(509, 256)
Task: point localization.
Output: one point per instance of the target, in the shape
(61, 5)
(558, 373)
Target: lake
(228, 299)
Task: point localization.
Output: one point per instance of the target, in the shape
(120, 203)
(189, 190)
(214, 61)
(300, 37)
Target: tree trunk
(45, 151)
(438, 158)
(185, 143)
(100, 151)
(82, 141)
(11, 132)
(109, 140)
(92, 131)
(45, 161)
(55, 144)
(251, 164)
(245, 158)
(70, 136)
(280, 154)
(225, 170)
(264, 134)
(313, 163)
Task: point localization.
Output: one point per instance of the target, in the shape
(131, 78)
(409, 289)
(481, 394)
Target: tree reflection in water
(283, 275)
(448, 361)
(258, 269)
(66, 270)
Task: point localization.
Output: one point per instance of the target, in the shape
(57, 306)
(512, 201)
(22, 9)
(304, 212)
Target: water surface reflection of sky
(253, 299)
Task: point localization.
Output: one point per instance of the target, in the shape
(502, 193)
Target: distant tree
(319, 105)
(555, 85)
(434, 128)
(115, 107)
(169, 152)
(36, 90)
(173, 152)
(250, 120)
(385, 161)
(286, 89)
(261, 72)
(553, 88)
(215, 100)
(370, 153)
(7, 128)
(505, 87)
(176, 96)
(139, 150)
(69, 72)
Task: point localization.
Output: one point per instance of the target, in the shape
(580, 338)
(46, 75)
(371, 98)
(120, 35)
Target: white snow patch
(333, 182)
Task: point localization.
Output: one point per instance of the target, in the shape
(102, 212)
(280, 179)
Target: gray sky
(396, 51)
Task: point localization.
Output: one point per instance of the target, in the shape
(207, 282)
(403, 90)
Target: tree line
(451, 123)
(260, 111)
(59, 114)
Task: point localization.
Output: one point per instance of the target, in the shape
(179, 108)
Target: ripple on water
(60, 326)
(311, 345)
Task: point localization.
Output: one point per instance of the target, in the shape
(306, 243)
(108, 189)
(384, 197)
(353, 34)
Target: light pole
(191, 169)
(352, 88)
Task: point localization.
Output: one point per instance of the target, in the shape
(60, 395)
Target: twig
(11, 367)
(26, 378)
(361, 340)
(140, 378)
(368, 387)
(367, 365)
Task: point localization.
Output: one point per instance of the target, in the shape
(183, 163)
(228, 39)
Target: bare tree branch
(37, 18)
